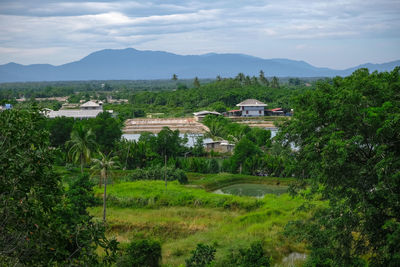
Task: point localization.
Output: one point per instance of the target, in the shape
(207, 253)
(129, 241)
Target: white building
(199, 116)
(252, 108)
(87, 110)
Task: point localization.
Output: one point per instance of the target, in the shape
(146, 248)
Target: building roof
(205, 112)
(74, 113)
(90, 104)
(251, 103)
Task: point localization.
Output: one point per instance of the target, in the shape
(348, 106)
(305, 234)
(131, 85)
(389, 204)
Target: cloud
(208, 26)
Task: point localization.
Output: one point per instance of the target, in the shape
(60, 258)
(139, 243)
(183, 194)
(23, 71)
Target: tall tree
(174, 77)
(104, 165)
(347, 134)
(81, 145)
(275, 82)
(263, 79)
(196, 82)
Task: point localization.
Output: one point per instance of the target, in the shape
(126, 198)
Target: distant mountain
(132, 64)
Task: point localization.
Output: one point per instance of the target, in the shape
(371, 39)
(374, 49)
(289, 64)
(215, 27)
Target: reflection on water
(253, 190)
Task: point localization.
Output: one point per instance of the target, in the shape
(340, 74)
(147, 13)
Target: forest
(73, 192)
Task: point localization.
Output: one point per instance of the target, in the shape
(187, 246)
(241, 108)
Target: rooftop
(206, 112)
(251, 103)
(90, 104)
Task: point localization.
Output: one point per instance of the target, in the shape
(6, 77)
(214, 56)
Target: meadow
(182, 216)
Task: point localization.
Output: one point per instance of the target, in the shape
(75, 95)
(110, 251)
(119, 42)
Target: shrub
(251, 257)
(141, 253)
(201, 256)
(157, 173)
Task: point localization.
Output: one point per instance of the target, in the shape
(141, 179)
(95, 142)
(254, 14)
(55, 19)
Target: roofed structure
(251, 103)
(252, 108)
(201, 114)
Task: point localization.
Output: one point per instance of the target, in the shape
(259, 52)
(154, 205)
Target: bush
(251, 257)
(201, 256)
(141, 253)
(157, 173)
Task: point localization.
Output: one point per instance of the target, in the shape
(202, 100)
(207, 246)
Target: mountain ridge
(133, 64)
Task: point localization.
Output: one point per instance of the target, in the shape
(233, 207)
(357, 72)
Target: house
(252, 108)
(199, 116)
(233, 113)
(90, 105)
(87, 110)
(275, 112)
(222, 146)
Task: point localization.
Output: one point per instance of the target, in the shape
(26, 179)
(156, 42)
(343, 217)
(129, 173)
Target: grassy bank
(152, 194)
(211, 182)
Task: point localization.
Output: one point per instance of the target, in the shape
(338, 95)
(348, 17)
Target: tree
(196, 82)
(40, 224)
(60, 130)
(348, 145)
(81, 145)
(106, 129)
(262, 79)
(275, 82)
(174, 77)
(105, 164)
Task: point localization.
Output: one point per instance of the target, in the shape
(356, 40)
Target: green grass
(152, 194)
(180, 228)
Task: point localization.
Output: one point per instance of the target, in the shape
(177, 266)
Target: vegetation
(340, 150)
(347, 134)
(41, 224)
(141, 253)
(202, 256)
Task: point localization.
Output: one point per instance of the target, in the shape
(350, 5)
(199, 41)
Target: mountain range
(132, 64)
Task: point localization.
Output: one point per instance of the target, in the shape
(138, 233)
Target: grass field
(184, 215)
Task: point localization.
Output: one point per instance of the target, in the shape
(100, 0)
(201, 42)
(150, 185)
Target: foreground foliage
(347, 134)
(39, 223)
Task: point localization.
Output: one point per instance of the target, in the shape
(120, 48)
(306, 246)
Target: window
(259, 112)
(247, 112)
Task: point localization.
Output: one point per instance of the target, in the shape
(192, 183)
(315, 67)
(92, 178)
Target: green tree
(275, 82)
(263, 79)
(348, 145)
(196, 82)
(104, 165)
(40, 224)
(174, 77)
(81, 145)
(60, 130)
(106, 129)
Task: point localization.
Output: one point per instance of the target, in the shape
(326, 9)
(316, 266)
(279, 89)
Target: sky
(335, 33)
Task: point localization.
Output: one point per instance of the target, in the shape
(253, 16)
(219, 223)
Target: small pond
(253, 190)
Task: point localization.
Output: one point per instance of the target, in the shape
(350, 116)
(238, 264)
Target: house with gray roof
(87, 110)
(252, 108)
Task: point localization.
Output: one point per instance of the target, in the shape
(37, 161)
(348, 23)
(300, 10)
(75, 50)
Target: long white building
(87, 110)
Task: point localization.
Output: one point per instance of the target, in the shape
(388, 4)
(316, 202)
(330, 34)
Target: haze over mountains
(132, 64)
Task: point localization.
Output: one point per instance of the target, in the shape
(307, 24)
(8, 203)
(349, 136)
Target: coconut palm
(105, 164)
(81, 145)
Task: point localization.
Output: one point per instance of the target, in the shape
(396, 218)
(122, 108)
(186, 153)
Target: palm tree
(81, 144)
(105, 164)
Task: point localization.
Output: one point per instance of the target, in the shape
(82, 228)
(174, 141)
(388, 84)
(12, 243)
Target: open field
(184, 215)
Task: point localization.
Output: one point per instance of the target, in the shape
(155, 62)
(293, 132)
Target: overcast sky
(333, 33)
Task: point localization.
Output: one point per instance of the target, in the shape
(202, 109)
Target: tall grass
(152, 194)
(181, 217)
